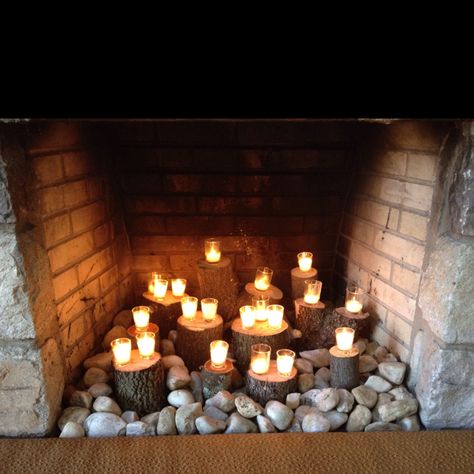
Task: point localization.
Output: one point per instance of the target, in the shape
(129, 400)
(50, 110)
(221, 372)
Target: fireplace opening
(90, 209)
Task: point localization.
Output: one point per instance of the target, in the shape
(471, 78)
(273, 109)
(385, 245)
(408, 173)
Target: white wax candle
(311, 299)
(160, 287)
(122, 350)
(275, 316)
(146, 344)
(247, 315)
(353, 306)
(209, 308)
(260, 309)
(305, 261)
(262, 283)
(260, 365)
(178, 286)
(219, 353)
(189, 306)
(285, 365)
(213, 256)
(344, 338)
(141, 317)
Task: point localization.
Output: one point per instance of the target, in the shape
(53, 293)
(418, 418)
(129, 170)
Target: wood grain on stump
(344, 368)
(214, 380)
(195, 337)
(166, 311)
(140, 384)
(274, 294)
(297, 281)
(270, 386)
(309, 319)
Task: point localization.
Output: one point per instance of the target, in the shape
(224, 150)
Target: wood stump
(195, 337)
(309, 319)
(274, 294)
(270, 386)
(166, 311)
(244, 339)
(297, 281)
(344, 368)
(218, 280)
(215, 380)
(140, 385)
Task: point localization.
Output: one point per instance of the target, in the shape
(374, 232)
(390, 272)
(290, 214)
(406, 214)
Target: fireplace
(88, 209)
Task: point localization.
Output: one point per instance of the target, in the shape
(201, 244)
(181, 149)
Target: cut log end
(344, 367)
(214, 380)
(274, 294)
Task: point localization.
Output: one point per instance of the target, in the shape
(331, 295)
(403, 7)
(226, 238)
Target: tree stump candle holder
(214, 380)
(274, 294)
(297, 281)
(261, 333)
(194, 339)
(270, 386)
(340, 317)
(140, 384)
(152, 327)
(309, 318)
(344, 367)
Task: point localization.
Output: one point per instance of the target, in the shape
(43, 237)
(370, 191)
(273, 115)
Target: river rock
(100, 389)
(166, 425)
(106, 404)
(383, 398)
(304, 410)
(346, 401)
(293, 400)
(265, 425)
(180, 397)
(389, 358)
(196, 386)
(103, 361)
(247, 407)
(95, 375)
(324, 373)
(371, 347)
(124, 318)
(236, 379)
(304, 366)
(236, 423)
(401, 393)
(151, 419)
(72, 430)
(305, 382)
(336, 419)
(173, 336)
(207, 425)
(360, 345)
(359, 418)
(167, 347)
(295, 426)
(326, 399)
(318, 357)
(139, 428)
(315, 423)
(223, 400)
(393, 371)
(171, 361)
(382, 426)
(101, 425)
(129, 416)
(177, 377)
(186, 416)
(365, 396)
(115, 333)
(398, 409)
(76, 414)
(309, 397)
(378, 384)
(367, 363)
(80, 398)
(380, 353)
(410, 423)
(319, 382)
(215, 413)
(280, 415)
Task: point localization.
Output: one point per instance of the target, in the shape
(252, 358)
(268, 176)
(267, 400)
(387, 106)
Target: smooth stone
(365, 396)
(410, 423)
(380, 353)
(166, 425)
(315, 423)
(382, 426)
(100, 389)
(215, 413)
(304, 410)
(295, 426)
(293, 400)
(367, 363)
(180, 397)
(359, 418)
(309, 397)
(196, 386)
(247, 407)
(167, 347)
(265, 425)
(124, 318)
(398, 409)
(236, 379)
(279, 414)
(336, 419)
(236, 423)
(326, 399)
(324, 373)
(177, 377)
(318, 357)
(103, 361)
(378, 384)
(223, 400)
(139, 428)
(394, 372)
(130, 416)
(389, 358)
(304, 366)
(95, 375)
(171, 361)
(151, 419)
(360, 345)
(72, 430)
(76, 414)
(346, 401)
(371, 348)
(80, 398)
(207, 425)
(101, 425)
(401, 393)
(106, 404)
(173, 335)
(305, 382)
(186, 417)
(382, 400)
(319, 382)
(115, 333)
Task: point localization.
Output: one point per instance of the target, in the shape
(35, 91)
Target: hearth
(89, 209)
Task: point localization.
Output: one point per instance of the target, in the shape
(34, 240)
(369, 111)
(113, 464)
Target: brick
(102, 234)
(186, 262)
(405, 278)
(196, 183)
(307, 159)
(422, 166)
(419, 135)
(391, 162)
(359, 230)
(80, 352)
(137, 131)
(47, 169)
(192, 132)
(146, 225)
(413, 225)
(169, 159)
(150, 263)
(78, 163)
(141, 183)
(126, 293)
(244, 243)
(51, 199)
(95, 188)
(70, 251)
(269, 225)
(87, 216)
(417, 196)
(302, 243)
(75, 331)
(399, 248)
(399, 328)
(370, 260)
(94, 264)
(75, 193)
(383, 338)
(234, 205)
(53, 135)
(160, 205)
(377, 213)
(378, 312)
(217, 159)
(157, 244)
(64, 283)
(307, 206)
(252, 261)
(322, 224)
(200, 225)
(108, 279)
(56, 229)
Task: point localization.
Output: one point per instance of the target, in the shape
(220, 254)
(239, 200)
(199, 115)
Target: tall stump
(140, 385)
(309, 319)
(344, 368)
(214, 380)
(195, 337)
(297, 281)
(166, 311)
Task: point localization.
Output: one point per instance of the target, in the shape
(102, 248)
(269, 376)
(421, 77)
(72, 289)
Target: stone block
(413, 225)
(56, 229)
(377, 213)
(391, 162)
(399, 248)
(422, 166)
(47, 168)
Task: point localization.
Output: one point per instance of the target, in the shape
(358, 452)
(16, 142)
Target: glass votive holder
(178, 286)
(212, 250)
(122, 350)
(260, 358)
(305, 261)
(275, 315)
(344, 338)
(354, 299)
(260, 303)
(141, 317)
(312, 291)
(219, 354)
(209, 308)
(247, 316)
(263, 278)
(160, 287)
(189, 306)
(285, 361)
(146, 344)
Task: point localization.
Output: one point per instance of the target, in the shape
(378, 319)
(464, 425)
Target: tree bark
(309, 319)
(215, 380)
(344, 368)
(165, 311)
(297, 281)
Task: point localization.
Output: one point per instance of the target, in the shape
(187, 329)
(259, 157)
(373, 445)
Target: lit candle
(189, 306)
(122, 350)
(178, 286)
(263, 278)
(260, 303)
(146, 344)
(285, 361)
(275, 315)
(209, 308)
(212, 249)
(354, 299)
(219, 354)
(305, 261)
(160, 287)
(247, 315)
(141, 317)
(151, 285)
(344, 338)
(260, 358)
(312, 291)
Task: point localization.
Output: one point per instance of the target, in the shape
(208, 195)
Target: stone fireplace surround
(89, 208)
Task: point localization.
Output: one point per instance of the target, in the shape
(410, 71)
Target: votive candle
(275, 315)
(146, 344)
(263, 278)
(189, 306)
(260, 303)
(344, 338)
(141, 317)
(209, 308)
(312, 291)
(305, 261)
(354, 299)
(219, 353)
(285, 361)
(122, 350)
(212, 250)
(247, 315)
(178, 286)
(160, 287)
(260, 358)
